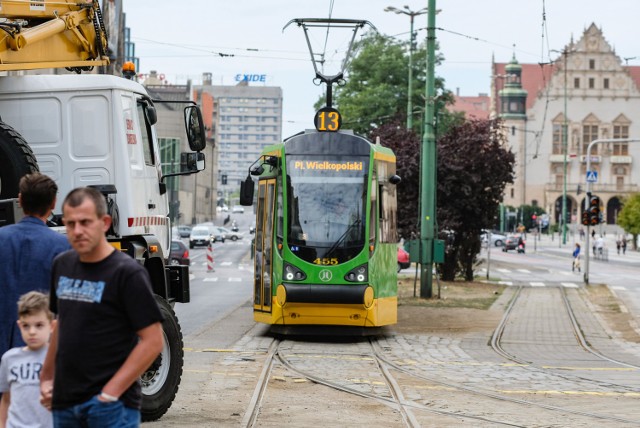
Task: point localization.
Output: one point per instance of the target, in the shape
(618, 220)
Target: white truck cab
(98, 130)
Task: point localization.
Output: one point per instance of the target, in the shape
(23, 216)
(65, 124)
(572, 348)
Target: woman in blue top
(576, 258)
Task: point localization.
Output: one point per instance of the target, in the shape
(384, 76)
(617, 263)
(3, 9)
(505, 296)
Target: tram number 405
(326, 261)
(327, 119)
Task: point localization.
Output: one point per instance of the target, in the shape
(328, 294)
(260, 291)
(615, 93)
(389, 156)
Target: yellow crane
(52, 34)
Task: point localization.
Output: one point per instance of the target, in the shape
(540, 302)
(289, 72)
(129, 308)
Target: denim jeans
(96, 414)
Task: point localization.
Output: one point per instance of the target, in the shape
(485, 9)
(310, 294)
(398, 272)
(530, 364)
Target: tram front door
(264, 245)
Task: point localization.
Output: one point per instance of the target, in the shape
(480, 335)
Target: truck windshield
(327, 196)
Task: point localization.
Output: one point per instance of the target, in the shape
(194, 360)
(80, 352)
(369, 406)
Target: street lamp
(411, 14)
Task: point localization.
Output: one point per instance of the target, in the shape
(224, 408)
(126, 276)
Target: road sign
(592, 176)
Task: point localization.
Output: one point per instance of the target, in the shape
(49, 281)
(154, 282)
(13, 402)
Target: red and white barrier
(210, 258)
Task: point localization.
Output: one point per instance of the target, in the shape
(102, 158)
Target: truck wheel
(161, 380)
(16, 160)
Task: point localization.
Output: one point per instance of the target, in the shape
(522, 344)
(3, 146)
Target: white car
(237, 209)
(200, 236)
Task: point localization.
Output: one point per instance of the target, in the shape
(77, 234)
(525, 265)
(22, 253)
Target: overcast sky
(184, 42)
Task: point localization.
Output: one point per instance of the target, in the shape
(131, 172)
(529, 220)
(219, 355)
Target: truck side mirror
(151, 113)
(195, 128)
(192, 162)
(246, 192)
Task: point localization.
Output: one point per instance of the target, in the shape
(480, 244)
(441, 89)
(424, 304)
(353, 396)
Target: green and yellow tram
(325, 248)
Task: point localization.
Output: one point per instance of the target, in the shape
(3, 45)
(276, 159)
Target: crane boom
(51, 34)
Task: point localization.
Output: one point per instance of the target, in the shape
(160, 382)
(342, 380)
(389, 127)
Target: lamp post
(412, 15)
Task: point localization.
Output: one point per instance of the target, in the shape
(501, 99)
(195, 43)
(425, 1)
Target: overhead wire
(326, 37)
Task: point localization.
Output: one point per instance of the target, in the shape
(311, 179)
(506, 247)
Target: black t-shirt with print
(100, 308)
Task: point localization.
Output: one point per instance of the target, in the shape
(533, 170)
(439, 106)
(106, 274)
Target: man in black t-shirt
(109, 325)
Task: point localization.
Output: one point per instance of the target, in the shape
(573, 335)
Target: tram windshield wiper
(343, 237)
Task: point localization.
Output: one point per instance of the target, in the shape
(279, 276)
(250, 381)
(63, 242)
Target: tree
(473, 169)
(629, 217)
(406, 145)
(376, 85)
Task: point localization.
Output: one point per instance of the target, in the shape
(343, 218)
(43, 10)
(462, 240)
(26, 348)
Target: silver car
(497, 240)
(228, 234)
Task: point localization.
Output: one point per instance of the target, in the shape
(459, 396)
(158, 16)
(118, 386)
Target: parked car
(179, 254)
(228, 234)
(403, 259)
(237, 209)
(184, 231)
(497, 239)
(511, 242)
(200, 236)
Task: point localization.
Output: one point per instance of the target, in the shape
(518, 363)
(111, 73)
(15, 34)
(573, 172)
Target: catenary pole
(428, 188)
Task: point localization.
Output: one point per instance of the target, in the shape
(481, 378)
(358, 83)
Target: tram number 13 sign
(327, 119)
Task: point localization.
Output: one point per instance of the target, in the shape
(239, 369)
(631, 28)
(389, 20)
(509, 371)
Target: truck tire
(161, 380)
(16, 160)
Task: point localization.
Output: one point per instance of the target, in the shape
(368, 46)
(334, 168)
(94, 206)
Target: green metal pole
(410, 89)
(428, 191)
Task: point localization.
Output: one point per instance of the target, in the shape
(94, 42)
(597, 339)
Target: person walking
(618, 244)
(109, 325)
(600, 246)
(20, 366)
(576, 258)
(624, 245)
(26, 252)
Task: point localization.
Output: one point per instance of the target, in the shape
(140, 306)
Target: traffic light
(224, 179)
(594, 210)
(586, 218)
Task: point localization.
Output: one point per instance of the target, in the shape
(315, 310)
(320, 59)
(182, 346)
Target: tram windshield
(326, 216)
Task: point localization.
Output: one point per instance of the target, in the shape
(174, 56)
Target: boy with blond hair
(20, 367)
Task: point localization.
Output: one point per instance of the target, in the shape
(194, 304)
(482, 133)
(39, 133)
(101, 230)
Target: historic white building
(597, 94)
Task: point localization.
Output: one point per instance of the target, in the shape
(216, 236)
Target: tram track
(396, 400)
(496, 343)
(495, 396)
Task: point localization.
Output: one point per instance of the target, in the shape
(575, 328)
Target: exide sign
(251, 77)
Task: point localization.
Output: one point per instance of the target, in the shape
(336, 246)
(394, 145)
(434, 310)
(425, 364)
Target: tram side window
(387, 211)
(373, 224)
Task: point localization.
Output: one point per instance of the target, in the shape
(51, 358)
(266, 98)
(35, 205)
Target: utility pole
(428, 166)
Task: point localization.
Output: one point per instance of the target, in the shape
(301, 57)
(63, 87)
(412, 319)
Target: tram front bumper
(332, 305)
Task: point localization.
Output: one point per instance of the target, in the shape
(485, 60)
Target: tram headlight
(358, 274)
(292, 273)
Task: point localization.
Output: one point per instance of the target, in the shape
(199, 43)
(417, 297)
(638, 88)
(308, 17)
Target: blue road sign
(592, 176)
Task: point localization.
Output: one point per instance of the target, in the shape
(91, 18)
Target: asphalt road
(214, 294)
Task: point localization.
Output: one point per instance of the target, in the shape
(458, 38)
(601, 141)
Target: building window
(605, 83)
(589, 133)
(592, 83)
(620, 170)
(620, 131)
(512, 193)
(557, 139)
(576, 83)
(619, 183)
(559, 179)
(592, 64)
